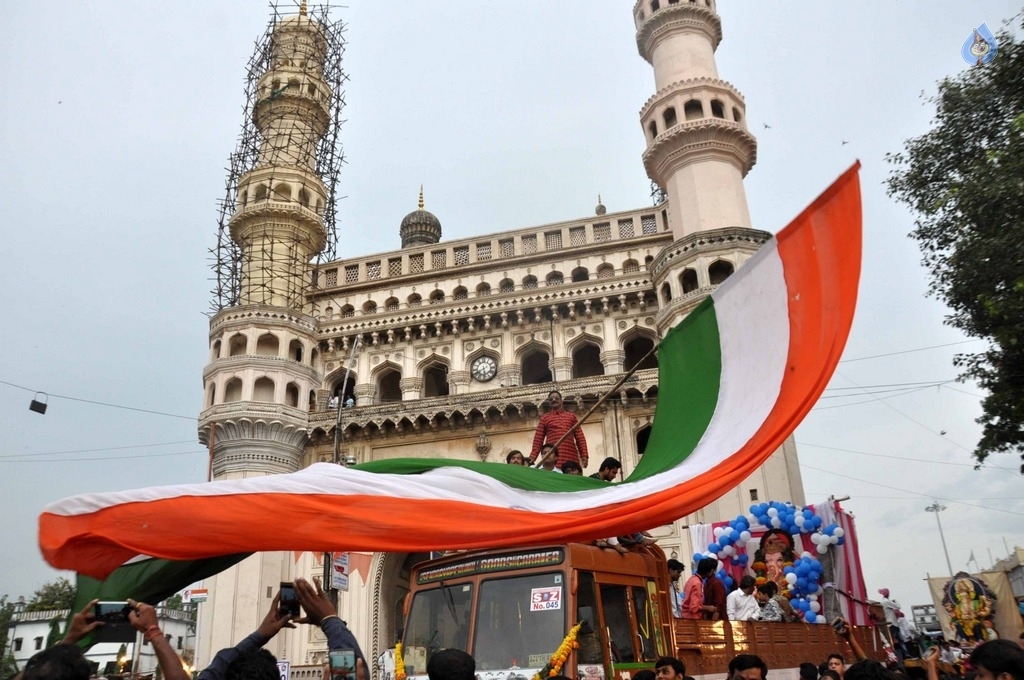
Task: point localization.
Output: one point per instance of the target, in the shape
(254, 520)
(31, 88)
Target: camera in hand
(343, 663)
(112, 613)
(289, 600)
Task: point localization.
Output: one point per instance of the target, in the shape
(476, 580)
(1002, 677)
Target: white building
(461, 341)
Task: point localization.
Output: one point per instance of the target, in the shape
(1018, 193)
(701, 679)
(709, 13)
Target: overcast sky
(115, 127)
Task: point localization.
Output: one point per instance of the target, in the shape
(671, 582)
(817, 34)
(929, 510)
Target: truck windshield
(520, 621)
(438, 619)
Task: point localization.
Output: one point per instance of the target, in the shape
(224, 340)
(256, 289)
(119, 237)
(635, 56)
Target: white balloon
(819, 618)
(791, 578)
(776, 522)
(718, 531)
(752, 520)
(773, 512)
(729, 550)
(798, 520)
(815, 606)
(839, 532)
(822, 548)
(834, 540)
(745, 536)
(815, 538)
(805, 554)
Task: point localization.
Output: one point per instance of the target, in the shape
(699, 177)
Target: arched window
(636, 349)
(263, 389)
(215, 351)
(267, 345)
(213, 395)
(736, 115)
(347, 311)
(586, 361)
(233, 390)
(291, 395)
(529, 282)
(580, 274)
(460, 293)
(304, 197)
(295, 350)
(312, 400)
(389, 387)
(237, 346)
(688, 280)
(369, 307)
(535, 367)
(436, 297)
(506, 286)
(283, 192)
(391, 304)
(693, 109)
(652, 128)
(670, 117)
(605, 271)
(415, 300)
(643, 435)
(343, 390)
(717, 109)
(630, 267)
(555, 279)
(483, 289)
(719, 271)
(261, 192)
(666, 293)
(435, 380)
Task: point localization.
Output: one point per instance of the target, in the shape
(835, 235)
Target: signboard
(339, 571)
(483, 565)
(284, 668)
(195, 595)
(545, 599)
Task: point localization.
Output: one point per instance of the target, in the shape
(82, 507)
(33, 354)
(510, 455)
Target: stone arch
(479, 352)
(652, 129)
(719, 271)
(312, 400)
(506, 286)
(693, 109)
(666, 293)
(483, 289)
(460, 293)
(688, 280)
(347, 311)
(434, 371)
(555, 278)
(211, 398)
(605, 271)
(529, 282)
(339, 387)
(436, 297)
(717, 108)
(630, 266)
(291, 395)
(215, 350)
(635, 346)
(641, 438)
(586, 357)
(296, 350)
(283, 191)
(669, 117)
(534, 362)
(238, 345)
(414, 300)
(736, 115)
(369, 307)
(579, 274)
(268, 345)
(263, 389)
(391, 304)
(233, 390)
(388, 377)
(304, 197)
(261, 193)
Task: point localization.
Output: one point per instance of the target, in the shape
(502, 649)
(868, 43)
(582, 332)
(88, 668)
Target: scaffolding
(290, 131)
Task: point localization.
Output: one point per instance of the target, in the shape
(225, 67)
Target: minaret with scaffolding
(277, 222)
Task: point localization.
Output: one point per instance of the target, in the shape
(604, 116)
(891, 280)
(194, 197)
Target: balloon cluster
(833, 534)
(808, 608)
(730, 542)
(785, 516)
(802, 579)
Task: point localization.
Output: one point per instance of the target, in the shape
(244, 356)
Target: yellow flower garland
(554, 666)
(399, 662)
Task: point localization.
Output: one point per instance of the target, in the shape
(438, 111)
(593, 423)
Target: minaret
(698, 146)
(264, 370)
(698, 151)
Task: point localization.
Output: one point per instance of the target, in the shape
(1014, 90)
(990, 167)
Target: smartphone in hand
(343, 664)
(289, 600)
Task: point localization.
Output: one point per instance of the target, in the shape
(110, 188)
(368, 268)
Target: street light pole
(936, 508)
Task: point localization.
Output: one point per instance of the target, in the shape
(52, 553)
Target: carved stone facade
(451, 348)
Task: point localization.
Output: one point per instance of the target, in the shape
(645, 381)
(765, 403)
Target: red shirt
(693, 597)
(553, 425)
(714, 594)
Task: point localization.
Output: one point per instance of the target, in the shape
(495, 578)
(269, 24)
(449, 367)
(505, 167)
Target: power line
(82, 460)
(108, 448)
(908, 351)
(99, 403)
(873, 398)
(913, 460)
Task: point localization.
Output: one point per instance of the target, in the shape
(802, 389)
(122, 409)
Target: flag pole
(604, 398)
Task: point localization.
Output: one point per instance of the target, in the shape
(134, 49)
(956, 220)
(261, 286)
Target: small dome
(600, 209)
(420, 227)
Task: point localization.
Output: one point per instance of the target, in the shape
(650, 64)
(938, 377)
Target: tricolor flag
(736, 377)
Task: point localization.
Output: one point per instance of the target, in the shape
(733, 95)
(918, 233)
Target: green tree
(57, 594)
(964, 180)
(7, 667)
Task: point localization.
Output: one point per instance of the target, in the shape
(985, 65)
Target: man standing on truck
(741, 605)
(555, 423)
(693, 591)
(675, 570)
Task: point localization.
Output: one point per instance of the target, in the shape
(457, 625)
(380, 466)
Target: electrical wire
(908, 351)
(99, 403)
(108, 448)
(912, 460)
(80, 460)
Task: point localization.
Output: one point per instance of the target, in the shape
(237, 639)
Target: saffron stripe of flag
(736, 377)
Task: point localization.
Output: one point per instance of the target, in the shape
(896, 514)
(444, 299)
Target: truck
(511, 609)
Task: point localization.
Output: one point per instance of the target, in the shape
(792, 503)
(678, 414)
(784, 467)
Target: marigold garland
(399, 662)
(554, 666)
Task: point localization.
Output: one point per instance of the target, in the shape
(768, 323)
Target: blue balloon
(810, 617)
